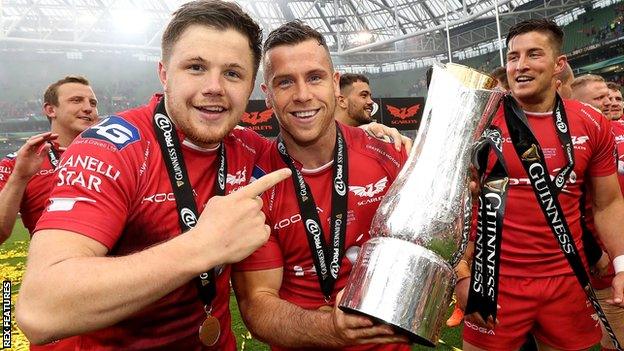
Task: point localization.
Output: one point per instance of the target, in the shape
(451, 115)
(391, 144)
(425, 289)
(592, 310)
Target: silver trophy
(404, 274)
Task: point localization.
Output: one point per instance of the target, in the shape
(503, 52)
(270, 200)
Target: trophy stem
(402, 284)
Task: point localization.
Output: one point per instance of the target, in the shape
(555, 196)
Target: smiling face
(301, 87)
(207, 81)
(532, 63)
(359, 102)
(76, 110)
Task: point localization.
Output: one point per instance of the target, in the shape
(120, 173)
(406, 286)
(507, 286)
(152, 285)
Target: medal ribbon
(182, 190)
(327, 272)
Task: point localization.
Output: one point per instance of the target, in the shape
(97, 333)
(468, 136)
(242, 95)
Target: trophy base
(402, 284)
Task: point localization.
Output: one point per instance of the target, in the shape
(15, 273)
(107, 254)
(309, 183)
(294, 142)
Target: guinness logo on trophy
(403, 275)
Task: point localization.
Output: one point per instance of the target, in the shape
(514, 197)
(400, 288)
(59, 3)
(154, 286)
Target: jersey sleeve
(6, 168)
(96, 180)
(604, 157)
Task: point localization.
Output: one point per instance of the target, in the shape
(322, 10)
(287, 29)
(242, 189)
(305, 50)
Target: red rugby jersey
(114, 188)
(373, 166)
(37, 190)
(529, 248)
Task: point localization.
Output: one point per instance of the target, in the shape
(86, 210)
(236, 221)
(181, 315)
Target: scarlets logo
(238, 178)
(371, 189)
(403, 112)
(254, 118)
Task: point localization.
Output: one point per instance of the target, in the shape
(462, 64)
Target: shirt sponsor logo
(300, 271)
(5, 170)
(85, 179)
(385, 154)
(115, 130)
(45, 172)
(237, 178)
(283, 223)
(160, 197)
(64, 204)
(525, 181)
(479, 329)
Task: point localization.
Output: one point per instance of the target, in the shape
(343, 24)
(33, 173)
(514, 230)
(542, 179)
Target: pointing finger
(264, 183)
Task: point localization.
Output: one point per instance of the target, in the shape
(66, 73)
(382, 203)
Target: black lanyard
(182, 189)
(53, 155)
(483, 291)
(327, 274)
(524, 139)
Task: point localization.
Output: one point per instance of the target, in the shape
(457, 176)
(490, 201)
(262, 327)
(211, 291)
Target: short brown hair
(500, 73)
(541, 25)
(614, 86)
(584, 79)
(217, 14)
(291, 33)
(51, 94)
(347, 80)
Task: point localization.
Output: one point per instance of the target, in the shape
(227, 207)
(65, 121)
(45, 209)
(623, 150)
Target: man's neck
(65, 136)
(343, 117)
(545, 104)
(315, 154)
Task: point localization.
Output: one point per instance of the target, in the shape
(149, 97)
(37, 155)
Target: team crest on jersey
(114, 130)
(238, 178)
(257, 173)
(371, 189)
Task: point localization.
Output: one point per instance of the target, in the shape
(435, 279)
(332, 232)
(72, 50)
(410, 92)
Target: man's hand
(617, 287)
(461, 292)
(382, 132)
(235, 224)
(353, 330)
(31, 155)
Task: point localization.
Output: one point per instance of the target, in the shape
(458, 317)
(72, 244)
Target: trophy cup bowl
(404, 275)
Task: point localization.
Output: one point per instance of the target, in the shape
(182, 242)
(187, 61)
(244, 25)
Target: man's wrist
(17, 179)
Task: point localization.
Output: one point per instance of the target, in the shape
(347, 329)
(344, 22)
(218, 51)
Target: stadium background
(116, 45)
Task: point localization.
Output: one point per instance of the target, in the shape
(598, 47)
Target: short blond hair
(583, 80)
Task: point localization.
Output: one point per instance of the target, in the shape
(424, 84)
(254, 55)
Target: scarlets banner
(403, 114)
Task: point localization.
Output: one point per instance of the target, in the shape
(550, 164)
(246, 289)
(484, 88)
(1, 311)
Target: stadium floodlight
(130, 21)
(363, 38)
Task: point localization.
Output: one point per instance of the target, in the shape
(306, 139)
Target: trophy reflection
(404, 274)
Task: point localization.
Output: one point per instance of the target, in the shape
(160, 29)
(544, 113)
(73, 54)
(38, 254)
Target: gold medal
(210, 331)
